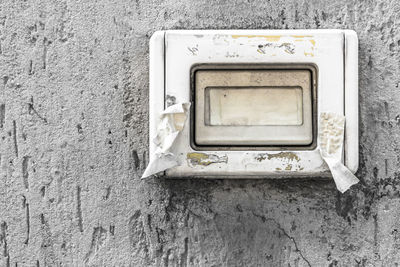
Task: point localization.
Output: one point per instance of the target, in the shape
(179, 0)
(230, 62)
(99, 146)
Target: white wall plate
(256, 97)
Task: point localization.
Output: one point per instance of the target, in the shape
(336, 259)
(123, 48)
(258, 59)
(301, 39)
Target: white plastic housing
(334, 53)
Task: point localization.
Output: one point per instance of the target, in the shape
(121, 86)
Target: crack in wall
(3, 239)
(15, 138)
(25, 173)
(27, 218)
(264, 219)
(32, 109)
(2, 114)
(79, 208)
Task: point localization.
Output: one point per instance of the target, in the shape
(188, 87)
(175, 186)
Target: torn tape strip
(331, 137)
(172, 122)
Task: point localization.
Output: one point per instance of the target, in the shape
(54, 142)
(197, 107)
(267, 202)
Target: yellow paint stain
(312, 41)
(204, 159)
(288, 167)
(301, 36)
(278, 169)
(269, 38)
(199, 158)
(308, 54)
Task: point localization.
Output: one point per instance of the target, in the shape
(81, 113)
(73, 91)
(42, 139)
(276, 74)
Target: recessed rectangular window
(254, 106)
(270, 105)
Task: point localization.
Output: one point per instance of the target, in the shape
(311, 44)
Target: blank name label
(253, 106)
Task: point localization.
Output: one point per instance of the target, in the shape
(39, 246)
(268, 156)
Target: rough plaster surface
(73, 144)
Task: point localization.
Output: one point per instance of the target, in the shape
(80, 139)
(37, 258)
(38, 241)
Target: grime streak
(204, 159)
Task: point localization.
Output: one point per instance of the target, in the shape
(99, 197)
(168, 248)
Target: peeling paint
(289, 167)
(289, 160)
(301, 38)
(220, 39)
(288, 47)
(260, 157)
(269, 38)
(204, 159)
(231, 55)
(284, 155)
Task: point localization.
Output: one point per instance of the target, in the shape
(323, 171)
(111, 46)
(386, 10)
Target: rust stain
(269, 38)
(204, 159)
(288, 167)
(278, 169)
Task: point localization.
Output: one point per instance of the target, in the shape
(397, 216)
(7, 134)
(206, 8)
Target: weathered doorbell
(256, 98)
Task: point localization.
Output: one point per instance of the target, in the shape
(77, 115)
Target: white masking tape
(331, 136)
(172, 121)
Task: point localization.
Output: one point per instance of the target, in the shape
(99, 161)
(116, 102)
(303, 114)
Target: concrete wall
(73, 144)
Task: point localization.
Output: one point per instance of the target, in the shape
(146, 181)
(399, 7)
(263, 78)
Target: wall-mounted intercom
(256, 97)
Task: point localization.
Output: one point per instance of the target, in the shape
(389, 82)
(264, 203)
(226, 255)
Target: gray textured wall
(73, 144)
